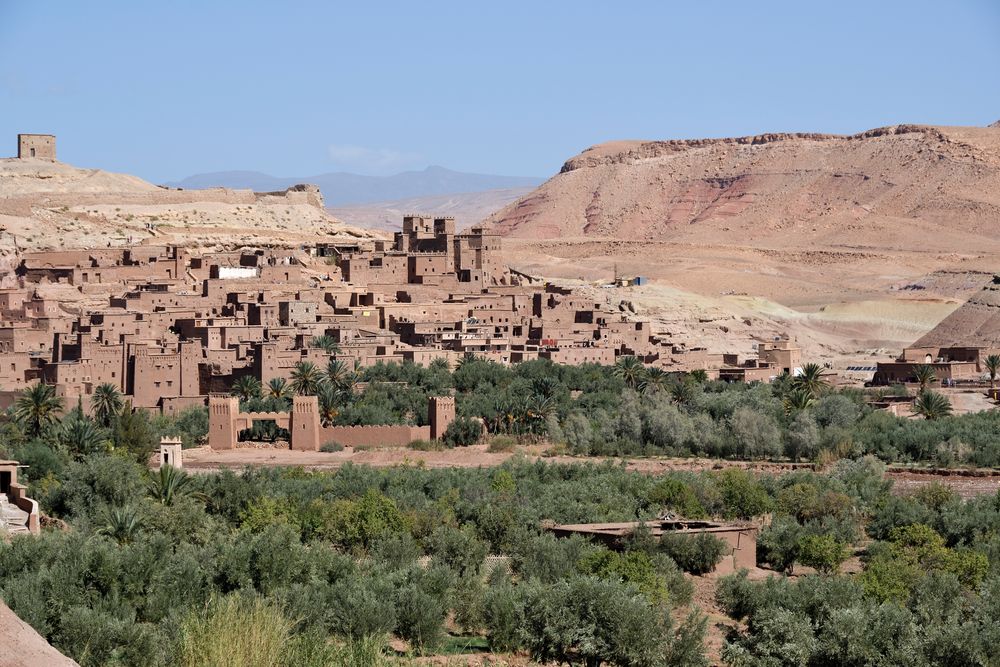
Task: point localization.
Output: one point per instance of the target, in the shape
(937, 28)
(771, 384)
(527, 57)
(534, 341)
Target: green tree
(37, 408)
(654, 379)
(122, 524)
(133, 433)
(279, 388)
(306, 378)
(106, 403)
(992, 363)
(925, 375)
(167, 484)
(932, 405)
(811, 379)
(246, 387)
(325, 343)
(822, 552)
(82, 437)
(630, 370)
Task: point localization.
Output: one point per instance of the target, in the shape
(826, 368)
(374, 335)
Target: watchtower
(37, 146)
(170, 452)
(440, 414)
(304, 423)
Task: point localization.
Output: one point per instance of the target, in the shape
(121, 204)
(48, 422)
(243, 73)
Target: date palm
(654, 379)
(924, 375)
(992, 364)
(106, 403)
(796, 400)
(331, 399)
(246, 387)
(932, 405)
(279, 388)
(630, 370)
(122, 524)
(306, 378)
(37, 408)
(82, 437)
(325, 343)
(810, 379)
(167, 484)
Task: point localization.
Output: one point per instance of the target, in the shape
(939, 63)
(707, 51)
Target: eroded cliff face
(782, 183)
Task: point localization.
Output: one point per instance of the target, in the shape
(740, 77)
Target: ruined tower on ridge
(37, 146)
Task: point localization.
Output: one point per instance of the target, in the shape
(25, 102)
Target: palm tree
(810, 379)
(655, 379)
(796, 400)
(699, 375)
(246, 387)
(81, 437)
(630, 370)
(167, 484)
(924, 375)
(330, 399)
(338, 373)
(306, 378)
(932, 405)
(122, 524)
(681, 392)
(325, 343)
(106, 403)
(279, 388)
(992, 364)
(37, 408)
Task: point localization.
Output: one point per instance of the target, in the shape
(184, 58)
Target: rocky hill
(775, 188)
(46, 204)
(841, 240)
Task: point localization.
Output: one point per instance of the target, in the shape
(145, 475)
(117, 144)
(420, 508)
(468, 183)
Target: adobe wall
(374, 436)
(743, 542)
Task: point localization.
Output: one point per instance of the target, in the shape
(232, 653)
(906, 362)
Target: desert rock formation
(49, 205)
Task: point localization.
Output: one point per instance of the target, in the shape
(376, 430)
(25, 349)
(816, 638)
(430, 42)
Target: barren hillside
(46, 204)
(823, 235)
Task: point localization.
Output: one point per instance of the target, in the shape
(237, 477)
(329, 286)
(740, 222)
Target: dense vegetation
(160, 568)
(628, 410)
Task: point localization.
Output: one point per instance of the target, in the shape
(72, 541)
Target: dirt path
(21, 646)
(967, 482)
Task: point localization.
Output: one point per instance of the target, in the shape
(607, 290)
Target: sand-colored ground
(21, 646)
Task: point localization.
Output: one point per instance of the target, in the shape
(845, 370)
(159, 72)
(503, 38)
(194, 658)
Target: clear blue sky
(168, 89)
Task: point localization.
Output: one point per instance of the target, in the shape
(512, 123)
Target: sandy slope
(21, 646)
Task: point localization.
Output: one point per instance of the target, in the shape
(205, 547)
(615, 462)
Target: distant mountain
(346, 189)
(468, 208)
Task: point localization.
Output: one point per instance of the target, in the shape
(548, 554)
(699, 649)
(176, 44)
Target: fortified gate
(225, 421)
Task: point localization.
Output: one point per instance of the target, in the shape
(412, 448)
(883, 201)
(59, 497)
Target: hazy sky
(168, 89)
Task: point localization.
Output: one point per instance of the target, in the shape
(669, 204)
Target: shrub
(331, 447)
(696, 554)
(676, 495)
(501, 444)
(462, 432)
(822, 552)
(427, 445)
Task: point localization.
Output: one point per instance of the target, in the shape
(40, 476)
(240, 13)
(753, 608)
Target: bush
(501, 444)
(462, 432)
(331, 447)
(822, 552)
(696, 554)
